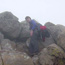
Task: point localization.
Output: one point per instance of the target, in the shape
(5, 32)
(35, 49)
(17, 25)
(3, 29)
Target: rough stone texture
(51, 28)
(1, 37)
(9, 25)
(8, 45)
(48, 55)
(16, 58)
(0, 57)
(0, 60)
(13, 51)
(21, 47)
(58, 34)
(35, 60)
(48, 41)
(25, 32)
(61, 40)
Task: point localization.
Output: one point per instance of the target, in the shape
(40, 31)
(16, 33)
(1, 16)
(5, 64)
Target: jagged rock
(25, 32)
(16, 58)
(49, 55)
(8, 45)
(9, 25)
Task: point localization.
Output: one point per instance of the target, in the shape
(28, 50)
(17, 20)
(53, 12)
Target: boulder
(48, 41)
(51, 28)
(52, 55)
(9, 25)
(8, 45)
(21, 47)
(58, 34)
(25, 32)
(61, 40)
(16, 58)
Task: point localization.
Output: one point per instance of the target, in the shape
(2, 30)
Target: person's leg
(33, 47)
(35, 38)
(36, 47)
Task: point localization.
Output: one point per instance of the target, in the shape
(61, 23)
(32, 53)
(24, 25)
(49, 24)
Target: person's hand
(31, 32)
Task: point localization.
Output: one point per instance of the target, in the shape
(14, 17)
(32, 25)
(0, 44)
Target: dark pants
(33, 47)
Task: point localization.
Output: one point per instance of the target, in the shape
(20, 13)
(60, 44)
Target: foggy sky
(41, 10)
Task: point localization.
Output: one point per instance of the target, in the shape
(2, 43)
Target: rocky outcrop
(8, 45)
(16, 58)
(1, 37)
(51, 55)
(25, 32)
(15, 40)
(9, 25)
(58, 34)
(11, 56)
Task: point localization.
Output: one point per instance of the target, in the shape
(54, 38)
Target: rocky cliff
(14, 39)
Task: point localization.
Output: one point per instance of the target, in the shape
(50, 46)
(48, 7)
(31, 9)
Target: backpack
(44, 32)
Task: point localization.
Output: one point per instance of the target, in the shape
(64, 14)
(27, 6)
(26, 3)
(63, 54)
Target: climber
(36, 31)
(33, 47)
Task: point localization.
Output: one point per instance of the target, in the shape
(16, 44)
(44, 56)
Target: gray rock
(16, 58)
(8, 45)
(51, 55)
(25, 32)
(1, 37)
(9, 25)
(58, 34)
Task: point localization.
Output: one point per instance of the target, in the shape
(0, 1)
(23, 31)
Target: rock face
(1, 37)
(16, 58)
(16, 52)
(61, 40)
(1, 61)
(58, 34)
(25, 32)
(49, 55)
(9, 25)
(8, 45)
(48, 41)
(10, 56)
